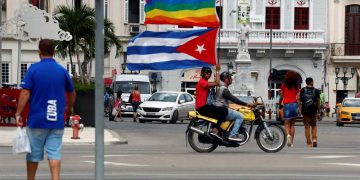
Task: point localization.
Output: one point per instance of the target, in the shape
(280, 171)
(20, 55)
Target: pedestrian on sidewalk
(289, 95)
(310, 109)
(44, 86)
(327, 109)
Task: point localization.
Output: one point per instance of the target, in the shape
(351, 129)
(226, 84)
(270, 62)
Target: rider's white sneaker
(235, 138)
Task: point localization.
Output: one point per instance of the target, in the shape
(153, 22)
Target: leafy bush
(84, 87)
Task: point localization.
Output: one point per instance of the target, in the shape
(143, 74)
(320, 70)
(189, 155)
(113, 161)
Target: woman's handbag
(114, 112)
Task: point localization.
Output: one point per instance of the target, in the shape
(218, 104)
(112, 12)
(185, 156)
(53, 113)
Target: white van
(126, 83)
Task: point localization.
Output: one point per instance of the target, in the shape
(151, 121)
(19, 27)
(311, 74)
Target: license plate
(150, 113)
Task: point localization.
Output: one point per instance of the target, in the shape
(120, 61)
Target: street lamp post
(123, 67)
(343, 78)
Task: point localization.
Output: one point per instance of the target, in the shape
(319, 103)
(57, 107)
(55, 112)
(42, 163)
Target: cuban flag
(172, 50)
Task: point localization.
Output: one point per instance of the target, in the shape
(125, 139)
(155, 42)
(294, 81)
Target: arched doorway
(278, 80)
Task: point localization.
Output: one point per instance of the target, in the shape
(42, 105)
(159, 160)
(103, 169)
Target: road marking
(116, 155)
(328, 157)
(118, 164)
(343, 164)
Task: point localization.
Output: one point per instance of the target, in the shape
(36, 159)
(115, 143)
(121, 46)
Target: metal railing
(263, 35)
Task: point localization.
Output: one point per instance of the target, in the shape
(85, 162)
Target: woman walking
(135, 100)
(118, 103)
(290, 94)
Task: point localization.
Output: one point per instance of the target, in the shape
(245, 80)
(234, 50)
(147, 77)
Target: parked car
(166, 106)
(348, 111)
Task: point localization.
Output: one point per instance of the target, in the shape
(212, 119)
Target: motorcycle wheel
(195, 140)
(271, 145)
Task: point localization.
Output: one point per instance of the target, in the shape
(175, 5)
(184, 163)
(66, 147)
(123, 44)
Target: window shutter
(142, 11)
(126, 15)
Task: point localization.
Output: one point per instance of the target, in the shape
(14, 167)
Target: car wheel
(339, 123)
(164, 122)
(175, 117)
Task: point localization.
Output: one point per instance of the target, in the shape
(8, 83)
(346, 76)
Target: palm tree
(80, 22)
(110, 40)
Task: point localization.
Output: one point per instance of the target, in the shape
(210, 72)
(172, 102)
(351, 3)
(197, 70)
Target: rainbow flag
(182, 12)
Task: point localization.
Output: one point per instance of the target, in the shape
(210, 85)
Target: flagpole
(218, 50)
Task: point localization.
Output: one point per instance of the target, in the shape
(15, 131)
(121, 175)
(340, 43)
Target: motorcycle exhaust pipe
(196, 130)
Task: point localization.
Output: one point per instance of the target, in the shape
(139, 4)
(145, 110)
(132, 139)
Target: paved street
(158, 151)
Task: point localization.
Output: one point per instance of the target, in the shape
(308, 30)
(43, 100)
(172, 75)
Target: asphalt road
(158, 151)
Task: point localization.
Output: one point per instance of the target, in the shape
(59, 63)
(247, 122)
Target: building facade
(298, 42)
(344, 52)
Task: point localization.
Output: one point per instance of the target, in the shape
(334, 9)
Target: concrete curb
(87, 137)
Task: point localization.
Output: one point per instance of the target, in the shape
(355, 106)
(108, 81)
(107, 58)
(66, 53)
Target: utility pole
(99, 90)
(1, 6)
(270, 58)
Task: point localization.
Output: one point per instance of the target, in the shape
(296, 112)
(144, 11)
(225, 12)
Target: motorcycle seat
(195, 114)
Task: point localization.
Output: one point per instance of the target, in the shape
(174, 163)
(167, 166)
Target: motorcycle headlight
(345, 113)
(167, 109)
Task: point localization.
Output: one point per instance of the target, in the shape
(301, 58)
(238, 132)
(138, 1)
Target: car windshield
(128, 86)
(165, 97)
(351, 103)
(247, 99)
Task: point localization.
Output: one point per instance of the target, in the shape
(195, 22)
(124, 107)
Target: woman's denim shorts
(291, 111)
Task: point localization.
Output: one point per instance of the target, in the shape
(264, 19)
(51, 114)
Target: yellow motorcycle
(269, 135)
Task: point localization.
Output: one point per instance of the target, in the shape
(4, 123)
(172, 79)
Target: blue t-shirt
(48, 83)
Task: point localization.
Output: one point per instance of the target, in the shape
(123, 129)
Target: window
(352, 33)
(134, 11)
(5, 72)
(301, 18)
(272, 18)
(188, 98)
(77, 3)
(41, 4)
(182, 97)
(23, 70)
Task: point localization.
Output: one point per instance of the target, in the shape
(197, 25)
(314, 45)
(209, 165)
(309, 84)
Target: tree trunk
(72, 69)
(79, 64)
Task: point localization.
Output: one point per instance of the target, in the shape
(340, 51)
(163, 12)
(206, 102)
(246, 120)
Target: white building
(344, 51)
(299, 41)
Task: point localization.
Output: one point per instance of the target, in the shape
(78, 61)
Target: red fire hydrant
(76, 126)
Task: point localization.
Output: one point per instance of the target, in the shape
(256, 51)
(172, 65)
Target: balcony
(345, 53)
(294, 38)
(260, 38)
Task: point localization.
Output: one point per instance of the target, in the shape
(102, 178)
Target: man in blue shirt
(45, 86)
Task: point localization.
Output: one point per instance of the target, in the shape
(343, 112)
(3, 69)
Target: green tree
(80, 22)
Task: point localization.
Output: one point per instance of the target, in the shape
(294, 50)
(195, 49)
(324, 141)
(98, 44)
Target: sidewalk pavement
(87, 137)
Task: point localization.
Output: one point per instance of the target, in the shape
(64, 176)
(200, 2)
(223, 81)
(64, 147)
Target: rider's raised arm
(229, 96)
(217, 77)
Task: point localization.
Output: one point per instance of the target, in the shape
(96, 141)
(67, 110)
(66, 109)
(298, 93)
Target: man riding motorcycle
(223, 96)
